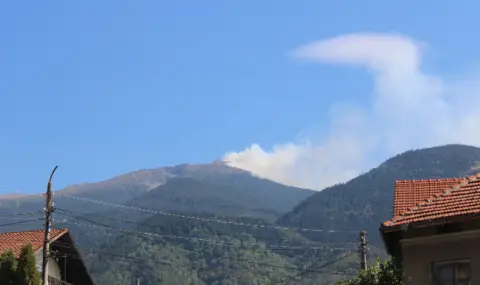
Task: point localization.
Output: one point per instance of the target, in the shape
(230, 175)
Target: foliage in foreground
(19, 272)
(382, 273)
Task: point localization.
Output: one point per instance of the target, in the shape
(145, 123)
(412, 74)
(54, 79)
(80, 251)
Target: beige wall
(419, 253)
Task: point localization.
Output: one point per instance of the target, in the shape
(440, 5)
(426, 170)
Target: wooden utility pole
(363, 250)
(48, 219)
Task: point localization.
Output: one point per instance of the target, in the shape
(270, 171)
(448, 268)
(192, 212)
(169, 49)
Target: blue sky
(106, 87)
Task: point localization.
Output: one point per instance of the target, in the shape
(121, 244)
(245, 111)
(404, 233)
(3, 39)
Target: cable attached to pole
(48, 215)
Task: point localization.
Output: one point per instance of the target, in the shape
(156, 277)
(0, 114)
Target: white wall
(38, 260)
(53, 269)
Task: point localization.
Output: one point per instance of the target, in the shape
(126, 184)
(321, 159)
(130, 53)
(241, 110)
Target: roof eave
(428, 223)
(394, 228)
(61, 234)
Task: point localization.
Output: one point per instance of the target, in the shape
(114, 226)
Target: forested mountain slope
(365, 201)
(199, 252)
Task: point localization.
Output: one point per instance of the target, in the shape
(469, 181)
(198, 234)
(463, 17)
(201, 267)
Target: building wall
(420, 253)
(53, 269)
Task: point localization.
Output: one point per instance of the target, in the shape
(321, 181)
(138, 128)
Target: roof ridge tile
(32, 231)
(428, 179)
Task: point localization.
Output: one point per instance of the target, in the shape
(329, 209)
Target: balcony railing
(55, 281)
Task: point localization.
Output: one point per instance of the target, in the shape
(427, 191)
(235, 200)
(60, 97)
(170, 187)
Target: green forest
(163, 250)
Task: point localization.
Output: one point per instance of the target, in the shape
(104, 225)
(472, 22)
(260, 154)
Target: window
(451, 273)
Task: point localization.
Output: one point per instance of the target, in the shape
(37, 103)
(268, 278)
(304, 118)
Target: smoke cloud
(408, 109)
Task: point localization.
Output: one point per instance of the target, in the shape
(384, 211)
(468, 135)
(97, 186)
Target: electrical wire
(2, 215)
(94, 250)
(222, 243)
(119, 255)
(152, 226)
(203, 219)
(305, 272)
(169, 263)
(134, 259)
(18, 216)
(20, 222)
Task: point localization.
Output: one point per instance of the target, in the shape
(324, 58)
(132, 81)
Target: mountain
(210, 187)
(182, 244)
(190, 195)
(182, 237)
(365, 201)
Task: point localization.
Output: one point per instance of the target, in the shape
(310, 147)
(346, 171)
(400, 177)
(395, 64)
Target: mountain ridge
(278, 198)
(367, 200)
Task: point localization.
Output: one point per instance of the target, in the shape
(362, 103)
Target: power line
(135, 259)
(11, 218)
(197, 251)
(153, 226)
(2, 215)
(120, 255)
(305, 272)
(128, 231)
(204, 219)
(17, 216)
(21, 222)
(308, 270)
(58, 243)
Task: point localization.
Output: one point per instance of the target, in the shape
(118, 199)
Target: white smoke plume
(408, 109)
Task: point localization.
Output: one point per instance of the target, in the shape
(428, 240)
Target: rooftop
(15, 241)
(409, 192)
(428, 200)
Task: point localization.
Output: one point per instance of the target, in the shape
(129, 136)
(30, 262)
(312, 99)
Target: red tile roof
(15, 241)
(459, 199)
(409, 192)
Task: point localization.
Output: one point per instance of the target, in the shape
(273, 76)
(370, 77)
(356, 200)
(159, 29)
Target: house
(65, 265)
(435, 230)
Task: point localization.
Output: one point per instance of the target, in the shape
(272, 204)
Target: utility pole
(65, 266)
(363, 250)
(138, 281)
(48, 219)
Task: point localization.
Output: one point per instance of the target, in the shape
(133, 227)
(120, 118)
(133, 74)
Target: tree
(382, 273)
(8, 268)
(19, 272)
(27, 269)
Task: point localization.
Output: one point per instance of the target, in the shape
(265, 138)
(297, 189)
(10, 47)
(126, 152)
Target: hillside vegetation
(367, 200)
(211, 224)
(193, 252)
